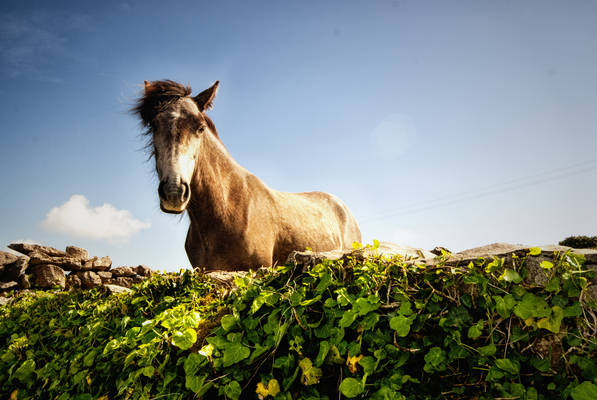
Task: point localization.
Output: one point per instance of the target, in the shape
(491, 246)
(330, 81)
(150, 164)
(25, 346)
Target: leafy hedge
(378, 329)
(580, 242)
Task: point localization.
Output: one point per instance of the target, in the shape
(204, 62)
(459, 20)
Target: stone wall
(46, 267)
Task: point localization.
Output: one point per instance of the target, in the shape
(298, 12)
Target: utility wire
(510, 185)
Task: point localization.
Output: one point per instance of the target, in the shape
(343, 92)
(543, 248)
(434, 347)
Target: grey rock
(67, 263)
(47, 276)
(102, 264)
(7, 258)
(491, 250)
(536, 275)
(10, 285)
(13, 271)
(77, 252)
(122, 271)
(26, 248)
(105, 276)
(24, 282)
(142, 270)
(115, 289)
(385, 249)
(88, 264)
(5, 300)
(73, 281)
(124, 281)
(138, 278)
(89, 279)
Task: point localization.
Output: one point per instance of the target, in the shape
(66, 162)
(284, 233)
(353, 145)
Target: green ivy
(379, 329)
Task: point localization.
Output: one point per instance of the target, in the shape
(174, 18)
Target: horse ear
(147, 86)
(205, 99)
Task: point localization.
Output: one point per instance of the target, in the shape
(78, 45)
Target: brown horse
(237, 222)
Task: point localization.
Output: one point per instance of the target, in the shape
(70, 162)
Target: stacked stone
(47, 267)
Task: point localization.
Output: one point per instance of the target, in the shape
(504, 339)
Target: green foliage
(580, 242)
(380, 329)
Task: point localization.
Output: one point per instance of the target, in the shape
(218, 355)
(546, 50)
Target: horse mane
(157, 97)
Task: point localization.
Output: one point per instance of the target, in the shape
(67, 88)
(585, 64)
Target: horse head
(176, 124)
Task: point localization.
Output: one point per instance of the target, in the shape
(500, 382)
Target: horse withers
(237, 222)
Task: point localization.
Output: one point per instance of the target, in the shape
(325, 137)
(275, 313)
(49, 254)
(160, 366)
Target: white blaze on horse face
(176, 155)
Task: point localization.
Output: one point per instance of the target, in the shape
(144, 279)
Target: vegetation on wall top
(374, 329)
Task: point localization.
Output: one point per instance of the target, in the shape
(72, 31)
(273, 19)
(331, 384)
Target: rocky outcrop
(45, 267)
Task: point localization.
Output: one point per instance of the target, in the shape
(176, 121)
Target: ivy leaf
(552, 323)
(233, 390)
(534, 251)
(509, 275)
(347, 319)
(401, 324)
(194, 383)
(363, 306)
(532, 306)
(504, 305)
(584, 391)
(193, 363)
(185, 339)
(546, 265)
(228, 322)
(352, 363)
(272, 389)
(369, 364)
(311, 374)
(351, 387)
(510, 366)
(24, 372)
(435, 360)
(488, 350)
(234, 352)
(324, 348)
(476, 330)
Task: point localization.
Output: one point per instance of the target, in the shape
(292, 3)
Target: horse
(236, 221)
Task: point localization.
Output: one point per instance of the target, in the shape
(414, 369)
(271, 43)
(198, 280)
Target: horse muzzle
(174, 196)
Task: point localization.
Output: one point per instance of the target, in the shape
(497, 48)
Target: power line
(510, 185)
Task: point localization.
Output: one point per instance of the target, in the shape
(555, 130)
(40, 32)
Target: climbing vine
(382, 328)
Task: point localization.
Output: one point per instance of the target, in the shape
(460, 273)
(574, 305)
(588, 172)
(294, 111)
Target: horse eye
(201, 128)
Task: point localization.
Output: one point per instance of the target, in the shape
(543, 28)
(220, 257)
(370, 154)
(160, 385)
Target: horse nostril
(161, 191)
(186, 191)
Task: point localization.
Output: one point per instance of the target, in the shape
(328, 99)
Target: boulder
(67, 263)
(105, 276)
(124, 281)
(138, 278)
(115, 289)
(89, 279)
(122, 271)
(73, 281)
(385, 249)
(24, 282)
(10, 285)
(77, 252)
(102, 264)
(7, 258)
(142, 270)
(47, 276)
(88, 264)
(26, 248)
(13, 271)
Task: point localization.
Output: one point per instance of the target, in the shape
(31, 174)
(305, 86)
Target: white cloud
(78, 219)
(394, 136)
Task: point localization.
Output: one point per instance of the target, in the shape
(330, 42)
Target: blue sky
(456, 123)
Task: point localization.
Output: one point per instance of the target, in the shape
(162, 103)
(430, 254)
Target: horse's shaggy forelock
(158, 96)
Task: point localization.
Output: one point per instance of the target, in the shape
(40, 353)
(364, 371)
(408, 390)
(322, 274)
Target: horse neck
(216, 174)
